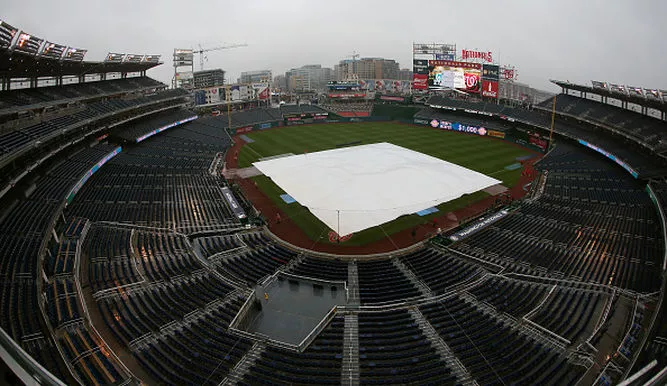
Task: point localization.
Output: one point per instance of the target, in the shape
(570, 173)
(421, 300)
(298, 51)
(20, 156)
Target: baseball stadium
(456, 228)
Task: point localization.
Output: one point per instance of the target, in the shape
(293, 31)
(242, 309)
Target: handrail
(27, 369)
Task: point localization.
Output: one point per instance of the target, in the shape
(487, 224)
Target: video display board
(450, 74)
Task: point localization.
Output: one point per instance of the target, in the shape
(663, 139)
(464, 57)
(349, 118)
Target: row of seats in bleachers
(381, 281)
(360, 107)
(440, 270)
(107, 251)
(212, 245)
(319, 364)
(245, 118)
(165, 255)
(633, 123)
(139, 127)
(612, 237)
(162, 182)
(62, 302)
(16, 140)
(393, 350)
(201, 354)
(511, 297)
(147, 310)
(85, 354)
(62, 257)
(60, 94)
(641, 162)
(660, 190)
(22, 230)
(251, 265)
(494, 353)
(301, 109)
(570, 313)
(321, 269)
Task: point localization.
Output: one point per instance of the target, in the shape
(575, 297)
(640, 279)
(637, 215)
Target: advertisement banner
(491, 72)
(489, 88)
(479, 225)
(233, 204)
(611, 157)
(451, 56)
(508, 73)
(392, 98)
(496, 134)
(212, 95)
(420, 66)
(456, 126)
(539, 142)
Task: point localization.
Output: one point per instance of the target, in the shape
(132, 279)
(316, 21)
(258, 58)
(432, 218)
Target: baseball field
(489, 156)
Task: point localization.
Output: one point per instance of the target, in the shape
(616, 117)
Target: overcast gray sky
(618, 41)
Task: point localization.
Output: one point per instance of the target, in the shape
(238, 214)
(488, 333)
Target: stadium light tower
(201, 52)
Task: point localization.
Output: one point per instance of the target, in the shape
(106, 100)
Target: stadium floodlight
(635, 91)
(133, 58)
(113, 57)
(28, 44)
(652, 94)
(74, 54)
(7, 34)
(52, 50)
(619, 88)
(151, 59)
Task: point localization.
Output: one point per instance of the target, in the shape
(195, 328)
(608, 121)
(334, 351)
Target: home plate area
(354, 188)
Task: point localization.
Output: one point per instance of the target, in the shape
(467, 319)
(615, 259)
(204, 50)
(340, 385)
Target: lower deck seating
(319, 364)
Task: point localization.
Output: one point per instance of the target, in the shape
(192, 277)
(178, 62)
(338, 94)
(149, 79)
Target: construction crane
(201, 52)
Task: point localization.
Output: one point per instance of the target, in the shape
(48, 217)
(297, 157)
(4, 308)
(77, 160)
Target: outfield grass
(485, 155)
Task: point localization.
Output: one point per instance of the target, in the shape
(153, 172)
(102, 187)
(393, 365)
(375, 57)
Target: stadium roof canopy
(14, 64)
(642, 97)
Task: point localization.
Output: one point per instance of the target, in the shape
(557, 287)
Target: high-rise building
(308, 78)
(261, 76)
(367, 68)
(405, 74)
(209, 78)
(280, 82)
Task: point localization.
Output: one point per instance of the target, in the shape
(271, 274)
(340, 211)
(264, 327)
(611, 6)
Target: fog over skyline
(618, 41)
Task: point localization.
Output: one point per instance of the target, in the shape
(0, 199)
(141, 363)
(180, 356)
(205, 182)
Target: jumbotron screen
(450, 74)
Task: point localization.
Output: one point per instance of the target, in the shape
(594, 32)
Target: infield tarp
(354, 188)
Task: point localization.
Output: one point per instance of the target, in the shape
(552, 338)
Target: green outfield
(485, 155)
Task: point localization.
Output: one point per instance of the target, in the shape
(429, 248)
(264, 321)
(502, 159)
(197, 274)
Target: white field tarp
(355, 188)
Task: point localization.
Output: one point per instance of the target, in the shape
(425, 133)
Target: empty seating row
(60, 94)
(319, 364)
(14, 141)
(393, 350)
(494, 353)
